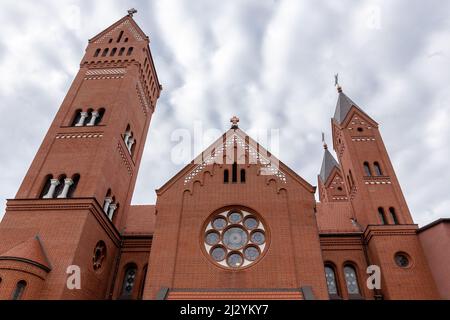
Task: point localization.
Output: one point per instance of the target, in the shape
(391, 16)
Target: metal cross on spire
(336, 82)
(131, 12)
(325, 146)
(234, 121)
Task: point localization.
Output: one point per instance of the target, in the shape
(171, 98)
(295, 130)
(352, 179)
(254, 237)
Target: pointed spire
(328, 163)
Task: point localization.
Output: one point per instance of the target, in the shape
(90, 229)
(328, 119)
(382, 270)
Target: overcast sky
(269, 62)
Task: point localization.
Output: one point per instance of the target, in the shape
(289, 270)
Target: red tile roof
(30, 250)
(141, 219)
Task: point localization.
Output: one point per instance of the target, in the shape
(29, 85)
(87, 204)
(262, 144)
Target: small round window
(402, 260)
(235, 238)
(99, 255)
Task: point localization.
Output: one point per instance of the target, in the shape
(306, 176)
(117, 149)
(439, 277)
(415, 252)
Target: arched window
(367, 169)
(18, 291)
(105, 52)
(121, 51)
(99, 118)
(89, 116)
(226, 175)
(130, 51)
(351, 280)
(97, 52)
(60, 186)
(73, 187)
(351, 177)
(76, 117)
(120, 36)
(46, 186)
(330, 277)
(393, 215)
(144, 277)
(129, 280)
(242, 175)
(234, 173)
(381, 215)
(126, 40)
(113, 52)
(378, 171)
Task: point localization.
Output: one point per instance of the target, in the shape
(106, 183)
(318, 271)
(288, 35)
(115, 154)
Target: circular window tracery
(235, 238)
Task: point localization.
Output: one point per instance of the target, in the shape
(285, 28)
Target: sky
(271, 63)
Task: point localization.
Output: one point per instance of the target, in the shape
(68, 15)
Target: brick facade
(73, 207)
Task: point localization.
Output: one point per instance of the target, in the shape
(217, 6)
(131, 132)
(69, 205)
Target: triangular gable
(270, 165)
(354, 110)
(30, 251)
(126, 23)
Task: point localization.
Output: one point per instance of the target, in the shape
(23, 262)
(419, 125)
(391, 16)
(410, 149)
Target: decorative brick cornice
(79, 135)
(377, 180)
(68, 204)
(109, 73)
(389, 230)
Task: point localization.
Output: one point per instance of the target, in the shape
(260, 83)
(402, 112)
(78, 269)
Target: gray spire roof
(343, 106)
(328, 164)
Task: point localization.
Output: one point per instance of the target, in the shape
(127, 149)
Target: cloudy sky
(269, 62)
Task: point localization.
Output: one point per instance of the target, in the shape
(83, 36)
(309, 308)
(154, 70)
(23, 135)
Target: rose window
(235, 238)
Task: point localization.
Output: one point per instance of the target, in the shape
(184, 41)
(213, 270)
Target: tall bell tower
(73, 202)
(378, 204)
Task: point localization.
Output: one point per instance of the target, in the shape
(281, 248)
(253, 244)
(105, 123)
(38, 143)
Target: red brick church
(235, 223)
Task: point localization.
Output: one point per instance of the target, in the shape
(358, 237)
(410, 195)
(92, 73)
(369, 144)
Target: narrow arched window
(377, 167)
(120, 36)
(47, 184)
(242, 175)
(129, 281)
(367, 169)
(73, 187)
(330, 277)
(60, 187)
(19, 290)
(381, 215)
(226, 175)
(97, 52)
(113, 52)
(121, 51)
(351, 280)
(144, 277)
(130, 51)
(126, 40)
(393, 215)
(234, 173)
(101, 113)
(89, 116)
(105, 52)
(76, 117)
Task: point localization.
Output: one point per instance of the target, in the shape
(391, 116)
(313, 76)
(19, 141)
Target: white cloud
(269, 62)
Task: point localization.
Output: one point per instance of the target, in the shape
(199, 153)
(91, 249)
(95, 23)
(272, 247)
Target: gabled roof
(126, 22)
(30, 251)
(328, 163)
(257, 153)
(343, 106)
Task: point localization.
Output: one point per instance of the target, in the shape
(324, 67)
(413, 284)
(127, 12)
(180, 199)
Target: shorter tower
(378, 204)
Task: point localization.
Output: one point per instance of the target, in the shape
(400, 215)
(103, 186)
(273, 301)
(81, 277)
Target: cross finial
(234, 121)
(336, 83)
(131, 12)
(325, 146)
